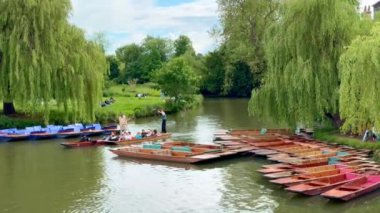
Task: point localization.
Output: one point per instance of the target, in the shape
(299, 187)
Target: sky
(130, 21)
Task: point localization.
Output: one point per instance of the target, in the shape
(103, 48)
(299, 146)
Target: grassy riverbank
(333, 136)
(125, 103)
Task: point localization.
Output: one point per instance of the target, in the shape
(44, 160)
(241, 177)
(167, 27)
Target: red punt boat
(324, 184)
(166, 155)
(83, 144)
(355, 188)
(303, 178)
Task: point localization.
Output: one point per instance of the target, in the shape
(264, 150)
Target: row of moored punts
(310, 167)
(54, 131)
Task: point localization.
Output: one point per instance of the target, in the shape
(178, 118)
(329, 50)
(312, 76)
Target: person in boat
(155, 133)
(128, 136)
(84, 138)
(123, 124)
(163, 120)
(143, 134)
(149, 133)
(113, 137)
(138, 135)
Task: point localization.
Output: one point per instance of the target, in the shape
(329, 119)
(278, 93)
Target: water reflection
(44, 177)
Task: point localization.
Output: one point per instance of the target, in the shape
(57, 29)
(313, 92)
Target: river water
(42, 176)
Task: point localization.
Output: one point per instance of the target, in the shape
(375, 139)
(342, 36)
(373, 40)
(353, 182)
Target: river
(42, 176)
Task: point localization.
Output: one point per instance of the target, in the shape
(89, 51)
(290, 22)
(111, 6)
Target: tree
(177, 79)
(244, 24)
(302, 51)
(140, 61)
(213, 76)
(114, 67)
(182, 45)
(131, 58)
(360, 76)
(43, 55)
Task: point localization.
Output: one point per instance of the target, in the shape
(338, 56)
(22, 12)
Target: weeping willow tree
(46, 59)
(360, 83)
(302, 50)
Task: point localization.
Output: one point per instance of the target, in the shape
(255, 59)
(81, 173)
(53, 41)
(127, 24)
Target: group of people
(107, 102)
(125, 136)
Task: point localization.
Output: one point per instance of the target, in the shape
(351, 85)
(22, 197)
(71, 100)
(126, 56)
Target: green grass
(125, 103)
(131, 91)
(333, 136)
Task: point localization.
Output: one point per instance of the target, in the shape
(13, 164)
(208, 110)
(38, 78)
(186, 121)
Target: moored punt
(303, 178)
(164, 155)
(323, 184)
(135, 141)
(83, 144)
(13, 137)
(355, 188)
(168, 145)
(41, 135)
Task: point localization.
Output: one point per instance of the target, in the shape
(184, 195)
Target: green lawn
(333, 136)
(126, 103)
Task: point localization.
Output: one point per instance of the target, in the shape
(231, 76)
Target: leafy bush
(9, 122)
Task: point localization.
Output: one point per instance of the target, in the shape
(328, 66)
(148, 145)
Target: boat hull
(83, 144)
(136, 141)
(190, 160)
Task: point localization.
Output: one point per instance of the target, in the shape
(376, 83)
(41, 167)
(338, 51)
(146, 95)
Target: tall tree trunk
(335, 119)
(8, 108)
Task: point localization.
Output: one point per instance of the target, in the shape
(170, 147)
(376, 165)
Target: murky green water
(44, 177)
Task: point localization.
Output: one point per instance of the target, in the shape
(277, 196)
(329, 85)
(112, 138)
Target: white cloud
(127, 21)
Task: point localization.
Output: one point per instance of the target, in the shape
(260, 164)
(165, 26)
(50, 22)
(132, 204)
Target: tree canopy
(44, 58)
(302, 50)
(360, 77)
(177, 79)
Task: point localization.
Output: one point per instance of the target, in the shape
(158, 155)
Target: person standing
(163, 120)
(123, 123)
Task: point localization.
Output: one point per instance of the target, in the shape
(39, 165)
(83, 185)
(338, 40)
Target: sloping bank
(132, 107)
(333, 136)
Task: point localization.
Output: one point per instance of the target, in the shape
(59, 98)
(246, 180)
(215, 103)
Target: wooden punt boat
(83, 144)
(135, 141)
(355, 188)
(303, 178)
(297, 171)
(226, 137)
(41, 135)
(323, 184)
(195, 156)
(271, 144)
(14, 137)
(168, 145)
(258, 132)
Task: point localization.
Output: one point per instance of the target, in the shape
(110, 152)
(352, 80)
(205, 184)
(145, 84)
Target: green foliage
(113, 63)
(130, 56)
(333, 137)
(182, 45)
(244, 24)
(45, 58)
(213, 76)
(177, 79)
(360, 76)
(9, 122)
(238, 81)
(302, 51)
